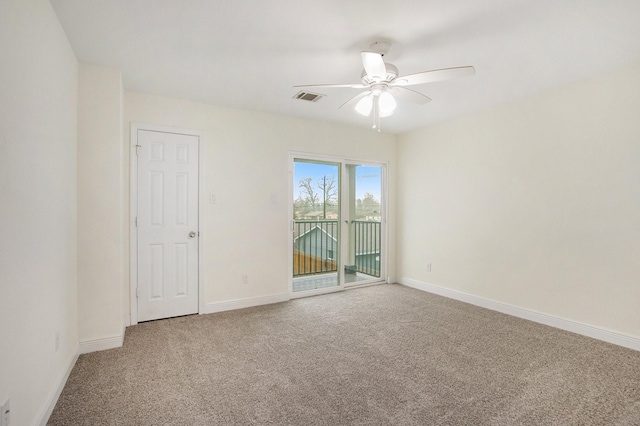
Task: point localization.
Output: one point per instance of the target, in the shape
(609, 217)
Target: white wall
(38, 289)
(246, 166)
(534, 203)
(100, 208)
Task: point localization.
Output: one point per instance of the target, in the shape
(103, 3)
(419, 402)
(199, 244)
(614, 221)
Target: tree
(299, 206)
(370, 200)
(329, 192)
(308, 194)
(367, 206)
(309, 198)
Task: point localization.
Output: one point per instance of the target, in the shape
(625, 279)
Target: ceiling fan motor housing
(392, 73)
(381, 47)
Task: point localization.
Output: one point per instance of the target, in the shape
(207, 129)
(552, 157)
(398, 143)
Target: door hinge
(137, 292)
(138, 149)
(136, 221)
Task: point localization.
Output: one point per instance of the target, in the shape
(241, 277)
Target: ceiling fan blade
(374, 65)
(408, 95)
(353, 101)
(351, 86)
(435, 75)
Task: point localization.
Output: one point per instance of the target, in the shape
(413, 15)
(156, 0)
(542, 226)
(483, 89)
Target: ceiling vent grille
(308, 96)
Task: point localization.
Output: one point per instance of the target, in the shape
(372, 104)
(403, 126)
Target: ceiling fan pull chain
(378, 113)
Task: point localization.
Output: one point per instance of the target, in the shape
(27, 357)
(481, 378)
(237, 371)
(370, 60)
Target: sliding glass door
(363, 244)
(337, 224)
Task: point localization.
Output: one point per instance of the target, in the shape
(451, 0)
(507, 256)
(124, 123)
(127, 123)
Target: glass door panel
(364, 242)
(316, 230)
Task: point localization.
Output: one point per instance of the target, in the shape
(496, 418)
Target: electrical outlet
(245, 279)
(429, 267)
(5, 415)
(57, 341)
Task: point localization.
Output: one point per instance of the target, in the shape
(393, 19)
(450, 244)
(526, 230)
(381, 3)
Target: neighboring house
(313, 215)
(332, 215)
(316, 215)
(368, 263)
(317, 241)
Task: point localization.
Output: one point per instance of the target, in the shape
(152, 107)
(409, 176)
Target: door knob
(192, 234)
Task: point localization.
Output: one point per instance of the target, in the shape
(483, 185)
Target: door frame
(384, 260)
(133, 212)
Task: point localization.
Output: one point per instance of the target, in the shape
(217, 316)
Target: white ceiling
(249, 53)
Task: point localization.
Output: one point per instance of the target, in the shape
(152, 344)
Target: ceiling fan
(383, 85)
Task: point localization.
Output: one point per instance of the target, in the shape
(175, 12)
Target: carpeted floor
(382, 355)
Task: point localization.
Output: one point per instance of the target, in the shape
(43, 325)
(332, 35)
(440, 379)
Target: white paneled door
(167, 224)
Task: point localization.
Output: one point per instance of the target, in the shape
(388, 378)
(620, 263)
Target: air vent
(308, 96)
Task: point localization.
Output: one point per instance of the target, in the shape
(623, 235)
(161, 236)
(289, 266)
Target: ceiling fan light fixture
(387, 104)
(384, 113)
(365, 105)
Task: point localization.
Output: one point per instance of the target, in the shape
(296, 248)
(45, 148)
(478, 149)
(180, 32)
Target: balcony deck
(313, 282)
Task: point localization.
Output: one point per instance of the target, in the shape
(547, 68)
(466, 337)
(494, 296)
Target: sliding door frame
(344, 206)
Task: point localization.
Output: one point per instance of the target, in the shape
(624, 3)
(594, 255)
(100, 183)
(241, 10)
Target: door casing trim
(133, 212)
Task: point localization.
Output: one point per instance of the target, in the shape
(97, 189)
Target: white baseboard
(52, 400)
(101, 344)
(553, 321)
(211, 308)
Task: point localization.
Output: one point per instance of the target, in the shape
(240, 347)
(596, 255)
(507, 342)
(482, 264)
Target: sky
(368, 178)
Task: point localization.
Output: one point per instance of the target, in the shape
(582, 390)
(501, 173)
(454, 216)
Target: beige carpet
(383, 355)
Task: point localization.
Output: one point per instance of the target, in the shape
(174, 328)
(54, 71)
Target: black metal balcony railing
(315, 247)
(367, 247)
